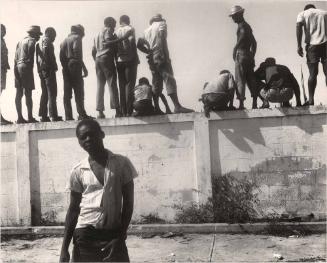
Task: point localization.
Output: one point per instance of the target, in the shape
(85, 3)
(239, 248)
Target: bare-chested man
(243, 55)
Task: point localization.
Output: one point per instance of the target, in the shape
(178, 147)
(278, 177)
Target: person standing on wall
(4, 67)
(47, 68)
(154, 44)
(73, 67)
(243, 55)
(101, 201)
(104, 53)
(127, 62)
(313, 22)
(23, 70)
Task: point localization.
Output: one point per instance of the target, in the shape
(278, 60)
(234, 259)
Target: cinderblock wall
(283, 152)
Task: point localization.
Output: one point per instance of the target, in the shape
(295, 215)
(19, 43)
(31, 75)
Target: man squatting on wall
(101, 201)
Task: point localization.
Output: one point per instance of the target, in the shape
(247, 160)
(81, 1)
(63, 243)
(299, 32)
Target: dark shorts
(215, 101)
(88, 244)
(277, 95)
(143, 107)
(25, 77)
(316, 53)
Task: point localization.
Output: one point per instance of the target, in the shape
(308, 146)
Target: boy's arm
(70, 224)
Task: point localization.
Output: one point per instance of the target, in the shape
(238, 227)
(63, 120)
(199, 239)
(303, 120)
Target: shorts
(283, 94)
(215, 101)
(316, 53)
(24, 78)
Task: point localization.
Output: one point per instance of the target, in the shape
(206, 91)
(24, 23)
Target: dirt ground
(187, 248)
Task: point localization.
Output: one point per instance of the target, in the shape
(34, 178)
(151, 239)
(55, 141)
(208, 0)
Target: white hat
(236, 9)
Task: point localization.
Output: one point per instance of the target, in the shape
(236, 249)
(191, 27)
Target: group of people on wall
(115, 54)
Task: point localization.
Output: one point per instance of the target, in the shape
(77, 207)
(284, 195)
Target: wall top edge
(186, 117)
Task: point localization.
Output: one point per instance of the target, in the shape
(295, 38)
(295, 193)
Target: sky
(201, 37)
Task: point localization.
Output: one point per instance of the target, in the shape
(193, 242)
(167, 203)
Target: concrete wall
(283, 152)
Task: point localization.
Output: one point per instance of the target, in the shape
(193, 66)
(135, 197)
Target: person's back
(221, 84)
(99, 43)
(25, 51)
(143, 92)
(45, 57)
(126, 49)
(154, 36)
(315, 25)
(246, 42)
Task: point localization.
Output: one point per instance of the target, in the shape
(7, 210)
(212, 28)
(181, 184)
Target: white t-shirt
(143, 92)
(222, 84)
(151, 35)
(315, 25)
(126, 48)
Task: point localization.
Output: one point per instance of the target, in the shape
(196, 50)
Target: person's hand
(86, 73)
(64, 256)
(300, 51)
(114, 247)
(234, 54)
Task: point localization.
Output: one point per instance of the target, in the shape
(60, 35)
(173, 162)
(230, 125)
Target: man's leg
(165, 102)
(3, 77)
(111, 77)
(157, 86)
(51, 84)
(101, 82)
(29, 105)
(240, 82)
(79, 96)
(68, 94)
(122, 92)
(43, 109)
(18, 102)
(167, 74)
(312, 81)
(130, 76)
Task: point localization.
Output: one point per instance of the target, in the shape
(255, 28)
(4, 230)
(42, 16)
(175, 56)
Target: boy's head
(124, 19)
(110, 22)
(144, 81)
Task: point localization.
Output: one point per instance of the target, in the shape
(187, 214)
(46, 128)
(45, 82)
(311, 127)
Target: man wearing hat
(47, 68)
(4, 67)
(279, 84)
(73, 67)
(154, 44)
(23, 69)
(243, 55)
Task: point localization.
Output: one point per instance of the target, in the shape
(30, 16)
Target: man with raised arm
(154, 44)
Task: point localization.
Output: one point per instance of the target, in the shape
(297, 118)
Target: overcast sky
(201, 37)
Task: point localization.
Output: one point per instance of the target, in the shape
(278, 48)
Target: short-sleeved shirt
(71, 48)
(100, 40)
(143, 92)
(127, 48)
(101, 204)
(222, 84)
(45, 57)
(158, 45)
(25, 51)
(315, 25)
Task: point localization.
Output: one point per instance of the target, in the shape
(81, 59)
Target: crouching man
(143, 98)
(101, 201)
(219, 93)
(279, 84)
